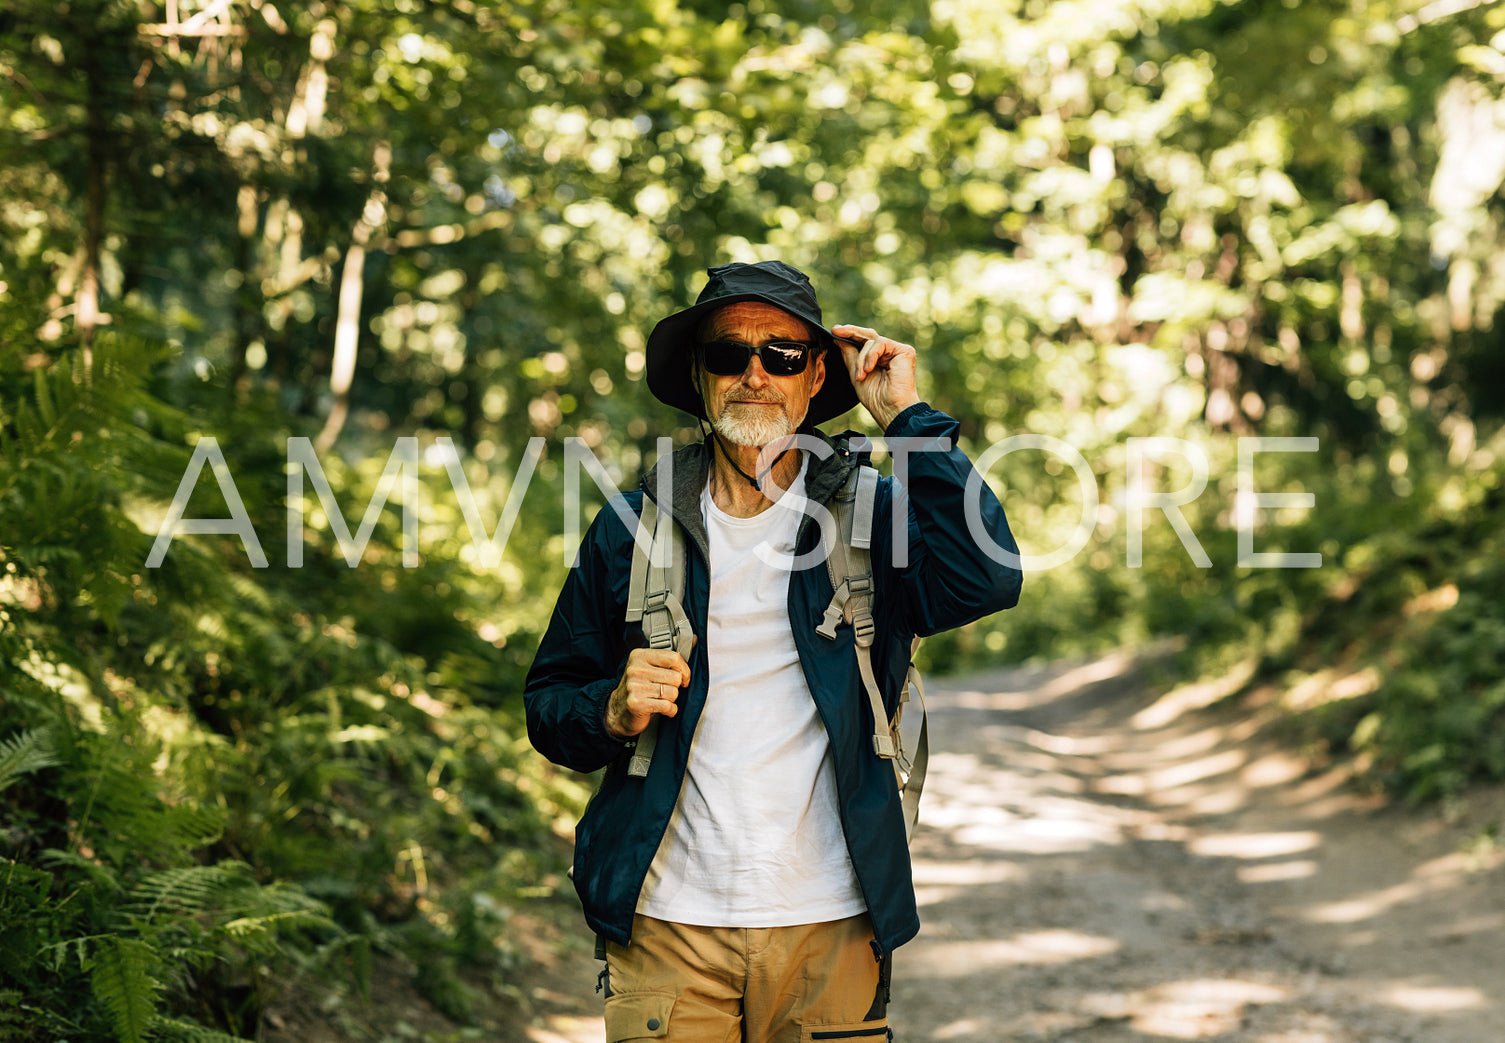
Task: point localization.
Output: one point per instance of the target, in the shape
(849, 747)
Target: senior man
(751, 884)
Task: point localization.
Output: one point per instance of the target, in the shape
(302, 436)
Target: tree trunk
(347, 327)
(86, 307)
(248, 296)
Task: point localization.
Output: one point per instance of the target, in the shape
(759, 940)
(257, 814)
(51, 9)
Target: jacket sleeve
(582, 654)
(961, 564)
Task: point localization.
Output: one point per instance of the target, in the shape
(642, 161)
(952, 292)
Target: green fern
(99, 874)
(44, 397)
(23, 753)
(189, 1032)
(258, 933)
(264, 912)
(12, 1024)
(56, 954)
(187, 890)
(123, 985)
(212, 691)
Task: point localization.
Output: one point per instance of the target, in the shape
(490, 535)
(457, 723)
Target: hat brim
(672, 382)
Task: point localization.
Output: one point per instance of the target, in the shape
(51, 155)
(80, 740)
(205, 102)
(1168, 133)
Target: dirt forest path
(1101, 859)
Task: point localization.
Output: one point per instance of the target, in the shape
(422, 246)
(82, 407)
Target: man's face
(753, 408)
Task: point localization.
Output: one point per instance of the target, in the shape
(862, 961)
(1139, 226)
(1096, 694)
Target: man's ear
(818, 364)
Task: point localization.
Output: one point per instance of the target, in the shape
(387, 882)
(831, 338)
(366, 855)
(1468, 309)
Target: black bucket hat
(772, 282)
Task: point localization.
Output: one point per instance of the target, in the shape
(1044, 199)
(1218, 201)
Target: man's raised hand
(882, 371)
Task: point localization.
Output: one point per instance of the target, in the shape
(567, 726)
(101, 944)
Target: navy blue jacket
(949, 580)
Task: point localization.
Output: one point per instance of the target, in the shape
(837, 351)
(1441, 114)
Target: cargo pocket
(638, 1015)
(863, 1030)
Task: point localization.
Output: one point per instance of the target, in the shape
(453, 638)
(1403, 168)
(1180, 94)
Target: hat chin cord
(714, 437)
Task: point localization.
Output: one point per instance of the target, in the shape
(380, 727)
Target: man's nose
(755, 375)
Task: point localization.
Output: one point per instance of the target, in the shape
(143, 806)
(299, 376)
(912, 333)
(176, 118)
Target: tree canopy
(358, 222)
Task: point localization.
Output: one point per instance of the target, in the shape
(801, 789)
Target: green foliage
(214, 775)
(190, 1032)
(121, 976)
(1097, 222)
(1424, 616)
(24, 752)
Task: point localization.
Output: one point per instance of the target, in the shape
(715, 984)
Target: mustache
(749, 395)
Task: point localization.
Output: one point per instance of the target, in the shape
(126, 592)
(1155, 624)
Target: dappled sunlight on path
(1100, 859)
(563, 1028)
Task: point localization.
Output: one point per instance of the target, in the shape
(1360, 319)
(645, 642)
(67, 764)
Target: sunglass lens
(725, 358)
(784, 360)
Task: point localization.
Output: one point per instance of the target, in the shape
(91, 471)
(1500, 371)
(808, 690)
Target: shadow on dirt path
(1100, 859)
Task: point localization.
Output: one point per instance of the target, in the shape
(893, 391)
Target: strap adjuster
(863, 629)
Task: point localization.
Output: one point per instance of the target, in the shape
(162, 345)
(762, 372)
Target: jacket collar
(692, 467)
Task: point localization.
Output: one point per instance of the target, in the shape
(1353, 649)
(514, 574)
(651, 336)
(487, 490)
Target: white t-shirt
(756, 838)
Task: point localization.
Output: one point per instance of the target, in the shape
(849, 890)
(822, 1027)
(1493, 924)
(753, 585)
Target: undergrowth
(1391, 653)
(218, 778)
(1405, 657)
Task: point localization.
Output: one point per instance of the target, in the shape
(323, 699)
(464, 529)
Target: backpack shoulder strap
(655, 598)
(850, 568)
(637, 586)
(914, 777)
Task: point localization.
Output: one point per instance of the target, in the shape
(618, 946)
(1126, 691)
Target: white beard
(752, 425)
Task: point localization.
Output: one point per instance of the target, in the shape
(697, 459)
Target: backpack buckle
(830, 622)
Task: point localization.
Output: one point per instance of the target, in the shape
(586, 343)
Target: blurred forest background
(359, 221)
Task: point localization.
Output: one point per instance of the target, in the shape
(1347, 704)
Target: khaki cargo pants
(690, 984)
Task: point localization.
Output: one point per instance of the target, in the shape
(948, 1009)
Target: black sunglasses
(780, 358)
